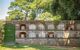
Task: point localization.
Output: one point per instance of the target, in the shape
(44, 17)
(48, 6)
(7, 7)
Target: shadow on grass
(15, 46)
(40, 47)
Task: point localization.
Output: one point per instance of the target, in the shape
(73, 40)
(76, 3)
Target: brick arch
(22, 25)
(71, 25)
(22, 34)
(51, 34)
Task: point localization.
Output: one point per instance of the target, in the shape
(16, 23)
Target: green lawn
(34, 47)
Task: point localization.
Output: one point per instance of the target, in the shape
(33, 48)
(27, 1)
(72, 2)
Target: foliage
(45, 16)
(9, 32)
(15, 14)
(49, 17)
(1, 25)
(30, 8)
(68, 9)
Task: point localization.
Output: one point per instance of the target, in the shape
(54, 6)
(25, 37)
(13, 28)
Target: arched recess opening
(22, 26)
(22, 35)
(50, 26)
(41, 27)
(50, 34)
(32, 27)
(71, 25)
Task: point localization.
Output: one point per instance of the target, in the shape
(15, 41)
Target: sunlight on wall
(66, 34)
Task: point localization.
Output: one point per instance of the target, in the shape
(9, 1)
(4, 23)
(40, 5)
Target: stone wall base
(52, 42)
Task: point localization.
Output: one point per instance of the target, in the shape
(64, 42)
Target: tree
(49, 17)
(31, 7)
(1, 24)
(68, 9)
(15, 15)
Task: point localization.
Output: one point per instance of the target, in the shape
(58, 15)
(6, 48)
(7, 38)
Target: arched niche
(41, 34)
(32, 27)
(61, 26)
(22, 35)
(50, 34)
(32, 34)
(71, 25)
(22, 26)
(41, 27)
(50, 26)
(78, 26)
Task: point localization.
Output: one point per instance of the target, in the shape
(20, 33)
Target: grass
(33, 47)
